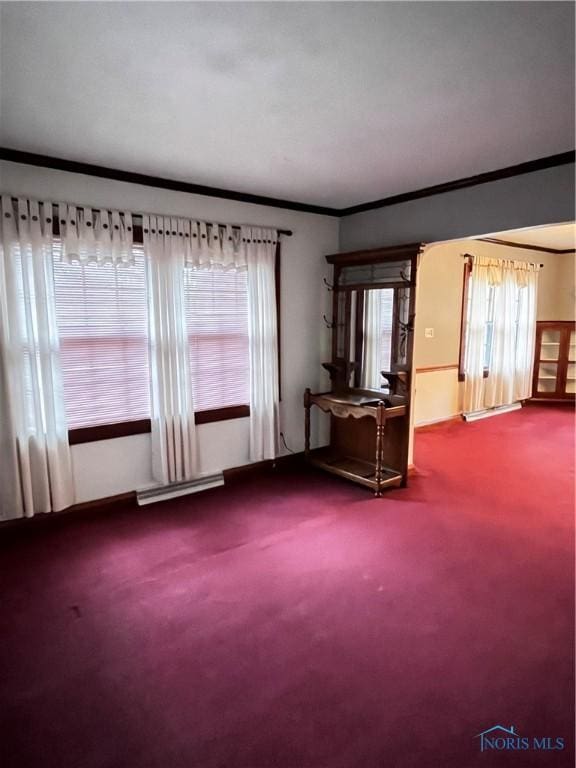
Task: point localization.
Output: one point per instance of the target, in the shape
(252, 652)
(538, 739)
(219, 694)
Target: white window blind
(386, 322)
(217, 324)
(103, 329)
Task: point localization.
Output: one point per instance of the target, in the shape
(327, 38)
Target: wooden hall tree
(371, 368)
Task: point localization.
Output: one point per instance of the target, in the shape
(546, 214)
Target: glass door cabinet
(555, 361)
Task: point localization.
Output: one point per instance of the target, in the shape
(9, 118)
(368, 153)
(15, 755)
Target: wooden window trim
(222, 414)
(143, 426)
(465, 284)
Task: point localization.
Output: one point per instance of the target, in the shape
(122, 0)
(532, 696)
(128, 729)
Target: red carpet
(301, 623)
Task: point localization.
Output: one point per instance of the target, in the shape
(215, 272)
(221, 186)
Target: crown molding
(88, 169)
(526, 246)
(130, 177)
(542, 163)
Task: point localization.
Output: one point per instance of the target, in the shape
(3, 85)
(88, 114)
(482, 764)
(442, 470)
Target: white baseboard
(442, 419)
(172, 491)
(476, 415)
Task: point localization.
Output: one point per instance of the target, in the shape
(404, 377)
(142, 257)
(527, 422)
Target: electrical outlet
(429, 333)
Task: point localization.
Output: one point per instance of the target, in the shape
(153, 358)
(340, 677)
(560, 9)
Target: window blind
(386, 322)
(217, 323)
(103, 329)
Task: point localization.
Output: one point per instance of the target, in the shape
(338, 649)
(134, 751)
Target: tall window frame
(488, 335)
(126, 428)
(102, 320)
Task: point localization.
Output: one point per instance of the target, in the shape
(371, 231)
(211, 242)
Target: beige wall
(439, 306)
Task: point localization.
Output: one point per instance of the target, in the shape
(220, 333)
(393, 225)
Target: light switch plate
(429, 333)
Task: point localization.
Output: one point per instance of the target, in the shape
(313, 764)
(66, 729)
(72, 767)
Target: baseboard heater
(491, 412)
(172, 491)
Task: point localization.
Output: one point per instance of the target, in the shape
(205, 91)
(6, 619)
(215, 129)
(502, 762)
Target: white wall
(109, 467)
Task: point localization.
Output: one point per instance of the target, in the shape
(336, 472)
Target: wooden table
(367, 438)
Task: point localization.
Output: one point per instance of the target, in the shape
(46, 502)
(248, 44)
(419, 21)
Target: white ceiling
(557, 237)
(326, 103)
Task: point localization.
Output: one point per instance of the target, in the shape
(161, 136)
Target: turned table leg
(380, 422)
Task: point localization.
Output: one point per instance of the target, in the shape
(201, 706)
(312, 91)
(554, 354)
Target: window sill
(143, 426)
(108, 431)
(222, 414)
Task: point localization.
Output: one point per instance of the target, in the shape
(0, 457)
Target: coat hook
(328, 323)
(327, 284)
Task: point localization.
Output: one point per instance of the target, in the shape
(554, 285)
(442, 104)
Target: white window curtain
(35, 464)
(260, 247)
(36, 473)
(174, 450)
(213, 246)
(172, 245)
(515, 285)
(95, 236)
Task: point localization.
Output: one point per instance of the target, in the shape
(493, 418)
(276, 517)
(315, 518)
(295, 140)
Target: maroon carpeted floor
(300, 623)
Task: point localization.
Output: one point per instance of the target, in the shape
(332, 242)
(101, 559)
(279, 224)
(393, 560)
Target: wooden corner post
(306, 421)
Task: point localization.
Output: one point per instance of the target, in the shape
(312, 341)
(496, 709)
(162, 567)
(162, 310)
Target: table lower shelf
(357, 470)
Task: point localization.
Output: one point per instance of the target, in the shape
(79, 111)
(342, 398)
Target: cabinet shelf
(553, 376)
(353, 468)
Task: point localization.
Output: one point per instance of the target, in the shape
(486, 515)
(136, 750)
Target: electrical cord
(284, 443)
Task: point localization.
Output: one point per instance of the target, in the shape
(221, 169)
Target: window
(103, 329)
(217, 324)
(102, 317)
(488, 331)
(489, 328)
(386, 322)
(375, 335)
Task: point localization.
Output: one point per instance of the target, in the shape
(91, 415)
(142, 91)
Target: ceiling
(332, 104)
(556, 237)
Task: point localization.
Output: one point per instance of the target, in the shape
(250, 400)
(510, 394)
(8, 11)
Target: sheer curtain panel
(171, 247)
(95, 236)
(513, 322)
(260, 248)
(475, 336)
(174, 451)
(527, 280)
(35, 468)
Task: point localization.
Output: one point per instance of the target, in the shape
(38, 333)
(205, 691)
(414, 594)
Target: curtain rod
(137, 220)
(469, 256)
